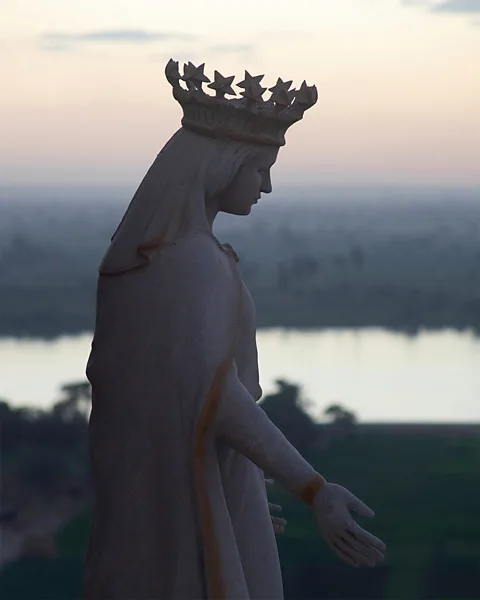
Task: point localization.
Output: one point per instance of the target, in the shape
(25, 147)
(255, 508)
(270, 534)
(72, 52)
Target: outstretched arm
(243, 424)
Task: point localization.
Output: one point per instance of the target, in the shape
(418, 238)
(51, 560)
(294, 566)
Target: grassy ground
(424, 485)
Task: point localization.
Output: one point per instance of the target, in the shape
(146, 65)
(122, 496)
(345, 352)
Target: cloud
(56, 47)
(65, 41)
(245, 50)
(458, 6)
(416, 2)
(181, 55)
(203, 53)
(448, 7)
(231, 48)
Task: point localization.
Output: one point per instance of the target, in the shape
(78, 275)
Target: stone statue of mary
(178, 444)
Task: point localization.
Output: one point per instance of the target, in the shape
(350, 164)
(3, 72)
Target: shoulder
(195, 261)
(195, 251)
(197, 241)
(193, 267)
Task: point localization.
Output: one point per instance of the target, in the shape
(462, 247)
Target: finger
(369, 551)
(366, 537)
(353, 552)
(269, 481)
(278, 521)
(378, 557)
(345, 557)
(278, 529)
(274, 507)
(366, 549)
(357, 539)
(360, 507)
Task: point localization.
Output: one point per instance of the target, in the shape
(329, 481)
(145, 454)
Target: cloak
(179, 513)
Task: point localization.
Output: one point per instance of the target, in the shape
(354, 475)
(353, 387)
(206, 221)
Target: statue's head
(251, 128)
(220, 159)
(220, 173)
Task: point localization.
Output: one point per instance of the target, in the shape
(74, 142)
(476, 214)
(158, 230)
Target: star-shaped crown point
(222, 85)
(306, 95)
(252, 88)
(194, 75)
(280, 94)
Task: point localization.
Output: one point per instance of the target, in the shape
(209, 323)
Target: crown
(248, 118)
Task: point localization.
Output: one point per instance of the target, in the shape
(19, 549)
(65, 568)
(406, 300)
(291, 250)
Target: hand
(277, 522)
(351, 543)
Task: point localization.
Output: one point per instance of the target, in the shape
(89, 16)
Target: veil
(170, 200)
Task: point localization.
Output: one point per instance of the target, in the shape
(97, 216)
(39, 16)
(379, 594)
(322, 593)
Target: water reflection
(381, 375)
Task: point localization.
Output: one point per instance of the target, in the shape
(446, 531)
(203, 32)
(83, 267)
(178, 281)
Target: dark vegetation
(397, 259)
(423, 482)
(46, 448)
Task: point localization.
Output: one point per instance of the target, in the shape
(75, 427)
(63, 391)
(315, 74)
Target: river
(381, 375)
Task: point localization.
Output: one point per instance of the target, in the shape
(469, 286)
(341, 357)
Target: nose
(266, 186)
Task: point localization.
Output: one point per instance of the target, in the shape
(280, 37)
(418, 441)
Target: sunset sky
(84, 99)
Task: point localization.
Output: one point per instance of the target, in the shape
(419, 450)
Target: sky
(84, 99)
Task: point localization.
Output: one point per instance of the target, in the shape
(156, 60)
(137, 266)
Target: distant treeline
(404, 267)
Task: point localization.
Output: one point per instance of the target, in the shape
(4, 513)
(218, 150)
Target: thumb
(360, 507)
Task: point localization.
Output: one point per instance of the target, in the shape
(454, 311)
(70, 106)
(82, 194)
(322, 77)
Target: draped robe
(179, 514)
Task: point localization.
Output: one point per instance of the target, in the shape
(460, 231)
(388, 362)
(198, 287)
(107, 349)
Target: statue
(178, 444)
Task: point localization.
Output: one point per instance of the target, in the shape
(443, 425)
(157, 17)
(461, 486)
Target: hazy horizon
(282, 193)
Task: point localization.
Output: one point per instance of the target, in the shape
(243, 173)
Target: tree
(46, 448)
(286, 409)
(76, 401)
(343, 421)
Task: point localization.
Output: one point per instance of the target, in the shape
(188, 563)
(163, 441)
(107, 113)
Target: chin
(243, 212)
(239, 212)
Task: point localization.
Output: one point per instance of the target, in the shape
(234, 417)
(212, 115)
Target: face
(251, 180)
